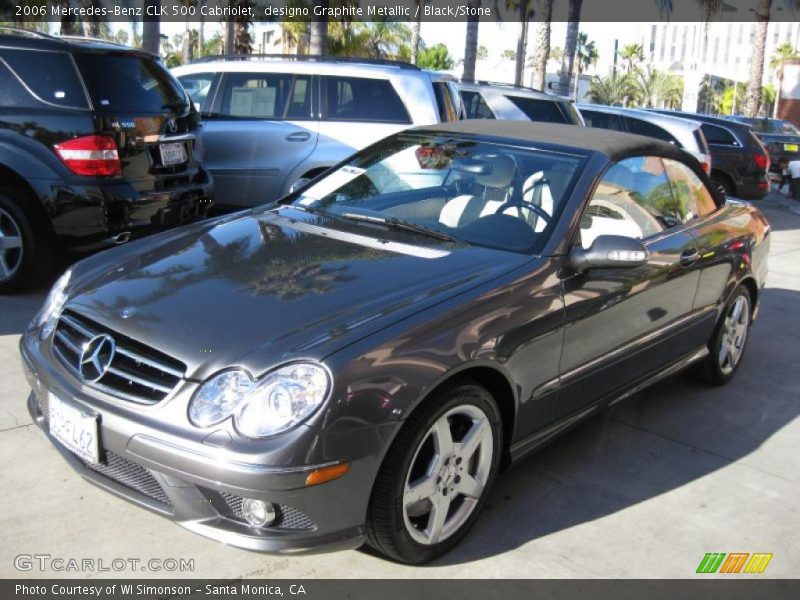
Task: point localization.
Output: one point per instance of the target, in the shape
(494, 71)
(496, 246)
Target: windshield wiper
(400, 224)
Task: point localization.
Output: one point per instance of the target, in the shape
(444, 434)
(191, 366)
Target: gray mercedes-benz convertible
(356, 362)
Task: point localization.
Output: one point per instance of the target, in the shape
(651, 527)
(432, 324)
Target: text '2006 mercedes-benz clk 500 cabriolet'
(356, 362)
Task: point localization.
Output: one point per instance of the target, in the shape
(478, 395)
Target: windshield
(481, 193)
(129, 83)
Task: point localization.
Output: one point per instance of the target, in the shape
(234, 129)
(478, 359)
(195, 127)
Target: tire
(26, 255)
(724, 184)
(729, 341)
(419, 465)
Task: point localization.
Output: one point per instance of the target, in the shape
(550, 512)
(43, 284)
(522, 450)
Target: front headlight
(48, 315)
(260, 408)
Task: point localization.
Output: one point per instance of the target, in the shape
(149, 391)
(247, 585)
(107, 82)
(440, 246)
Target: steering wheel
(525, 204)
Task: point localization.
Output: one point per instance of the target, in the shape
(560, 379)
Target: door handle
(689, 257)
(298, 136)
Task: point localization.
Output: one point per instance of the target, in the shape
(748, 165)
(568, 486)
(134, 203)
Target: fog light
(258, 513)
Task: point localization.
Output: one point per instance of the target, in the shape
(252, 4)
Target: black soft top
(613, 144)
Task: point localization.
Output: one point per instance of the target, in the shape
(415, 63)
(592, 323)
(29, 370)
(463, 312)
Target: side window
(363, 99)
(476, 106)
(692, 199)
(539, 110)
(197, 85)
(634, 199)
(448, 107)
(603, 120)
(640, 127)
(718, 135)
(51, 76)
(267, 96)
(12, 93)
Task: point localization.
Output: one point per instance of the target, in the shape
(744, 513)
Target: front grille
(137, 373)
(131, 475)
(287, 517)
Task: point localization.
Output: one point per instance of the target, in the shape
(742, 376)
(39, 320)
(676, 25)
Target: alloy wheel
(448, 474)
(10, 246)
(734, 335)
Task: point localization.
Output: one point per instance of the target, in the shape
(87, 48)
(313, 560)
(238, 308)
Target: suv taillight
(92, 155)
(761, 160)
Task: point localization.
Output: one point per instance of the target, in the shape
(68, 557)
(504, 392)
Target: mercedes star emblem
(96, 357)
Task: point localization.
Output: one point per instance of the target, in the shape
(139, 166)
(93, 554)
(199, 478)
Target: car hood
(271, 286)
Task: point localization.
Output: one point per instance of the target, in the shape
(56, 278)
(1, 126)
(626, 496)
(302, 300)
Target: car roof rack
(86, 38)
(310, 57)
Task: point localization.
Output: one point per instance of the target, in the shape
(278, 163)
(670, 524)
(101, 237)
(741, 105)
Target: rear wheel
(730, 339)
(25, 256)
(436, 476)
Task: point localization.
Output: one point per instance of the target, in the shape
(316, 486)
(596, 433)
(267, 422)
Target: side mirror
(609, 251)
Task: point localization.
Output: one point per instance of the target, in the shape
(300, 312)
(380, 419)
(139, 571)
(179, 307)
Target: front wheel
(730, 338)
(436, 475)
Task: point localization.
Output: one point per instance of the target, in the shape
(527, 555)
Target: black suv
(781, 138)
(97, 146)
(739, 161)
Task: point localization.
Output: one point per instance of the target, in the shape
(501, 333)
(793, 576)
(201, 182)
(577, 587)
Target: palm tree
(631, 55)
(647, 84)
(585, 55)
(151, 27)
(570, 44)
(752, 98)
(471, 42)
(541, 51)
(613, 89)
(669, 90)
(318, 30)
(415, 31)
(780, 55)
(242, 42)
(524, 12)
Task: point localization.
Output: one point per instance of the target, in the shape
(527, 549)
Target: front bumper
(202, 488)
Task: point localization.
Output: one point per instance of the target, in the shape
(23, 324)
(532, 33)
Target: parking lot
(644, 490)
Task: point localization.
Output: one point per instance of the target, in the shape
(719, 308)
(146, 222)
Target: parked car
(487, 100)
(740, 163)
(97, 146)
(271, 121)
(781, 138)
(438, 306)
(681, 132)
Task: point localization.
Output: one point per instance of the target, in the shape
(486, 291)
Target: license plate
(74, 429)
(791, 147)
(172, 154)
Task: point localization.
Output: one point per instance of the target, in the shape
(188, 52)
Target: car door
(713, 239)
(262, 125)
(621, 324)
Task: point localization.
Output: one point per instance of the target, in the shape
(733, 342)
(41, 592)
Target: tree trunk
(151, 28)
(318, 30)
(541, 53)
(577, 82)
(522, 39)
(415, 33)
(230, 37)
(69, 24)
(570, 45)
(778, 90)
(752, 97)
(471, 44)
(201, 33)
